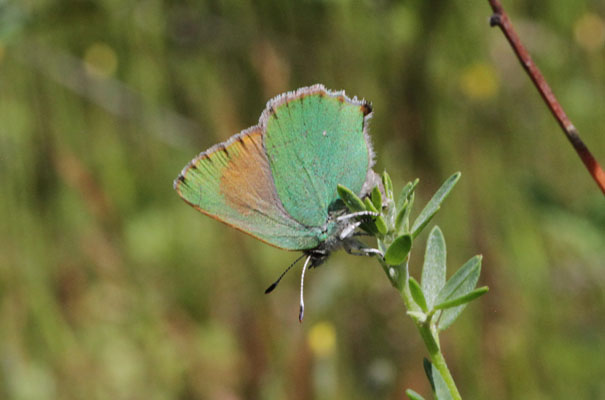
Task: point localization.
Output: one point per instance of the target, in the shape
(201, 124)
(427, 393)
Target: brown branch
(500, 19)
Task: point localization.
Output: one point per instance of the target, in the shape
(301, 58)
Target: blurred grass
(111, 287)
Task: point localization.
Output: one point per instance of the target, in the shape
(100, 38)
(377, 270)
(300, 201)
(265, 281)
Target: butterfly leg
(357, 248)
(361, 233)
(357, 214)
(348, 230)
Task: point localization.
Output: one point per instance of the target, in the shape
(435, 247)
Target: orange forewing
(232, 182)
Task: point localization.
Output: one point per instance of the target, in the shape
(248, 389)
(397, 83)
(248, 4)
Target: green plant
(433, 303)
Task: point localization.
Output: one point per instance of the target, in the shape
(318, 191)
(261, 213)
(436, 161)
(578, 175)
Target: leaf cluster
(433, 302)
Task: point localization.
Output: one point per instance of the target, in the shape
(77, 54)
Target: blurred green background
(111, 287)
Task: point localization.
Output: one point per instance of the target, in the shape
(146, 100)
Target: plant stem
(431, 342)
(438, 359)
(500, 19)
(439, 363)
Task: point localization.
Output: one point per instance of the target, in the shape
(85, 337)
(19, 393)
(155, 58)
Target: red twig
(500, 19)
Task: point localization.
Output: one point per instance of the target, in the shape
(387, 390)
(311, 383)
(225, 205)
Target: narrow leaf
(379, 222)
(381, 225)
(413, 395)
(437, 382)
(428, 370)
(388, 184)
(417, 294)
(433, 270)
(406, 192)
(442, 392)
(400, 215)
(398, 250)
(377, 198)
(369, 227)
(460, 284)
(369, 205)
(351, 200)
(433, 205)
(467, 298)
(402, 220)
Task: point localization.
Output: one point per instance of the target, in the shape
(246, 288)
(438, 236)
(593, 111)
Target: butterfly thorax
(330, 239)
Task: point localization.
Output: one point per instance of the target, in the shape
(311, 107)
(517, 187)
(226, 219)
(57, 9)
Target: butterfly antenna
(274, 284)
(301, 312)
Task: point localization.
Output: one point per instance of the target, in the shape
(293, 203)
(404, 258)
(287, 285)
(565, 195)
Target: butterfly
(277, 181)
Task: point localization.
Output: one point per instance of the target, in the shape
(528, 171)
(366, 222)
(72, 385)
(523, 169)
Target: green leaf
(467, 298)
(437, 382)
(433, 205)
(388, 184)
(370, 228)
(381, 225)
(433, 270)
(413, 395)
(428, 370)
(442, 392)
(402, 218)
(406, 192)
(379, 221)
(353, 203)
(398, 250)
(377, 198)
(400, 215)
(460, 284)
(369, 205)
(417, 294)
